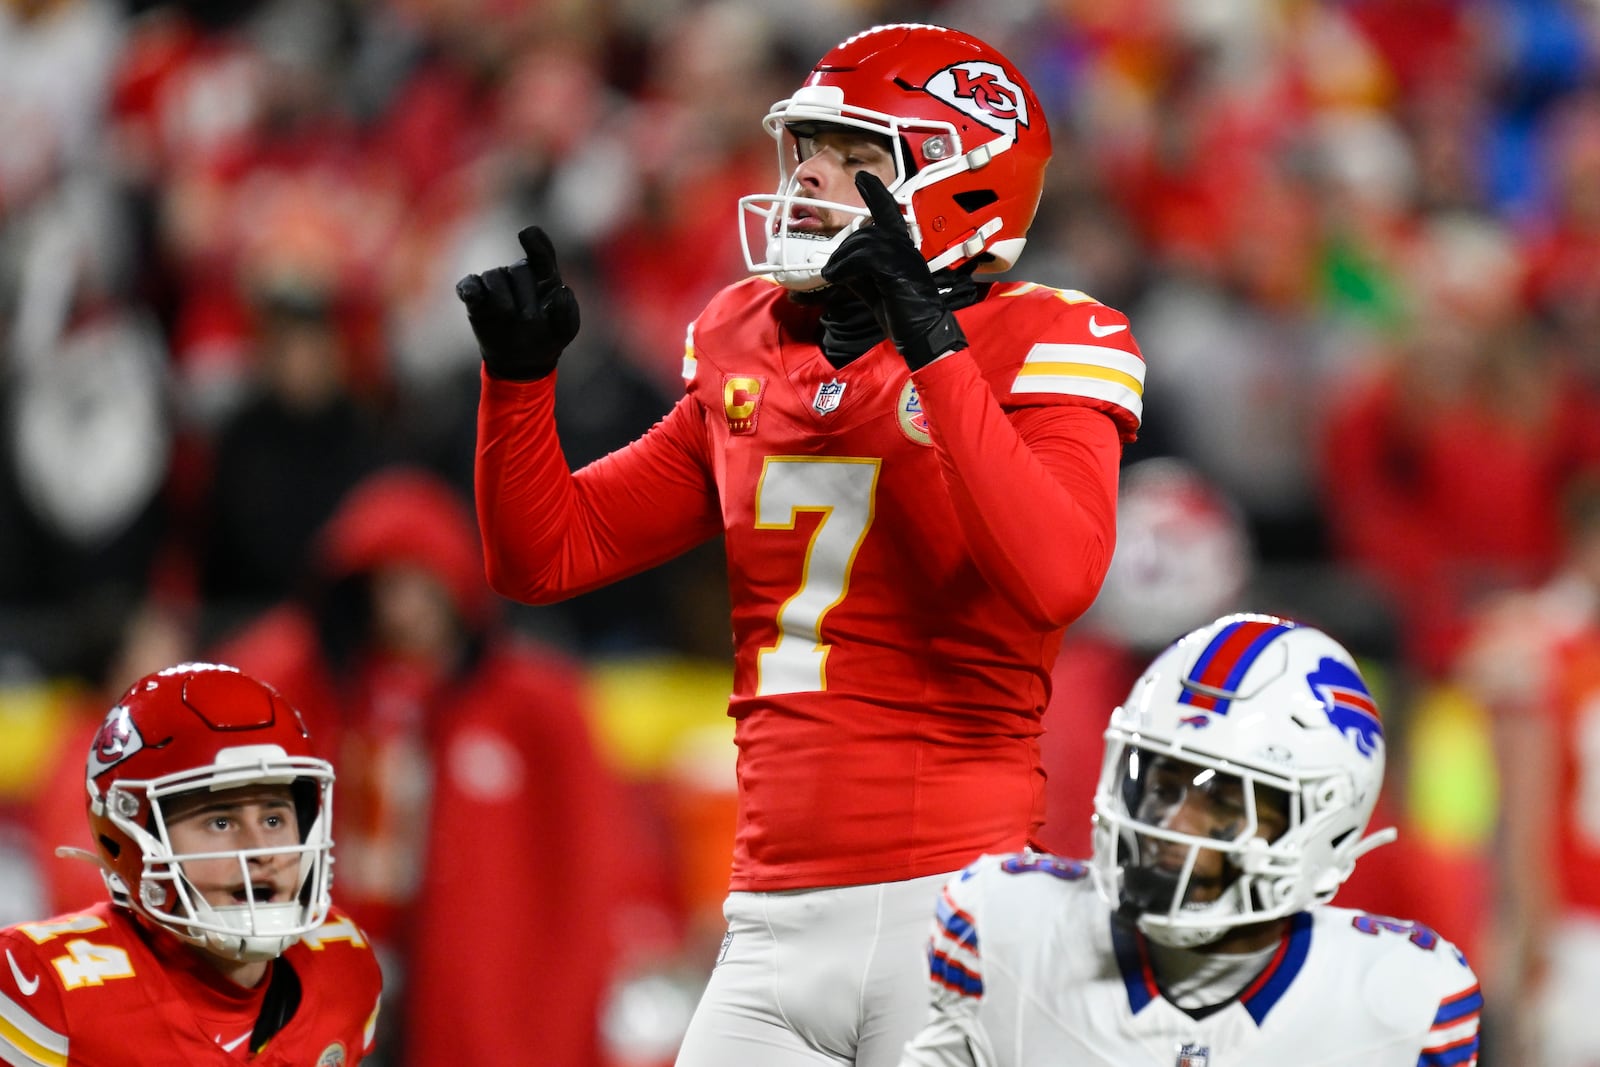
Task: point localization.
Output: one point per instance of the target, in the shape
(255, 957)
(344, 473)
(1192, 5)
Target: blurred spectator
(553, 156)
(1421, 42)
(1443, 465)
(87, 434)
(56, 57)
(283, 461)
(695, 141)
(556, 154)
(1534, 663)
(1563, 239)
(1217, 186)
(472, 790)
(239, 152)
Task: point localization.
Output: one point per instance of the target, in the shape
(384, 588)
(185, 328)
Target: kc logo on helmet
(985, 92)
(117, 740)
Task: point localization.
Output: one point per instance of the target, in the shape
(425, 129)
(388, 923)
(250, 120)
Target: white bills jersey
(1028, 968)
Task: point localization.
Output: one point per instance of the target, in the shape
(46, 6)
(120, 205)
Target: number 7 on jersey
(842, 491)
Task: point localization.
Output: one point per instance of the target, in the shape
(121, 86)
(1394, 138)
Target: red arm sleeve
(548, 533)
(1035, 491)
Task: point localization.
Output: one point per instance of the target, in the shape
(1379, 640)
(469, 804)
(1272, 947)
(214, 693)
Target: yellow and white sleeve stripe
(690, 364)
(25, 1041)
(1084, 370)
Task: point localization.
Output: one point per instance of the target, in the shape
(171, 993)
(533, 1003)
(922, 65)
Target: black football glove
(880, 265)
(522, 315)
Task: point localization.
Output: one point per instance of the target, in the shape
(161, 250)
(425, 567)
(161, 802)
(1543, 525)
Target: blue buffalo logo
(1348, 704)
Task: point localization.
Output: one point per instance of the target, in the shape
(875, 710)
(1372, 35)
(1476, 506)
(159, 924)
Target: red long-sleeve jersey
(903, 555)
(94, 989)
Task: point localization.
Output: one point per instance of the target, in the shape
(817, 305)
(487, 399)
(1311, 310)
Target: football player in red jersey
(219, 945)
(913, 469)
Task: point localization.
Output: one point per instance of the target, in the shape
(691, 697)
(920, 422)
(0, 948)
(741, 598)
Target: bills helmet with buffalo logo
(206, 727)
(968, 135)
(1282, 709)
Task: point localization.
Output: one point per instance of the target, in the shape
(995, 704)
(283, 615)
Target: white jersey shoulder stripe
(1093, 371)
(1454, 1037)
(1051, 358)
(953, 957)
(25, 1041)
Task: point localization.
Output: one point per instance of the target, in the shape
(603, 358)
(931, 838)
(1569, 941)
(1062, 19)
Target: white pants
(817, 977)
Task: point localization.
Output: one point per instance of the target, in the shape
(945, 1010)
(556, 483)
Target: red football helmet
(203, 726)
(969, 139)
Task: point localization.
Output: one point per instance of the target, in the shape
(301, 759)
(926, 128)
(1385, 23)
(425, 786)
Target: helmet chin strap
(67, 852)
(968, 248)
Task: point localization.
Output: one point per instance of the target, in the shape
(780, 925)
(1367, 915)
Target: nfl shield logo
(1193, 1056)
(828, 396)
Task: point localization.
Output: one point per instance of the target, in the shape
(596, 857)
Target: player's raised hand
(881, 265)
(523, 315)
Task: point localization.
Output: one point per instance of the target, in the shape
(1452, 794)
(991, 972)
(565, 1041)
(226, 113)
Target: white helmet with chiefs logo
(968, 136)
(203, 726)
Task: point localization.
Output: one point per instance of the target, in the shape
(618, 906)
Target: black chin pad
(1147, 889)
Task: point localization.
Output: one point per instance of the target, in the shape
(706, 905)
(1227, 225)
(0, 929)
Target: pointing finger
(878, 199)
(541, 253)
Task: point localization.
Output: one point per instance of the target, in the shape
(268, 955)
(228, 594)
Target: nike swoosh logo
(29, 986)
(1105, 331)
(235, 1043)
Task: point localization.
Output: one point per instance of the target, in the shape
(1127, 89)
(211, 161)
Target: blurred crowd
(1359, 241)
